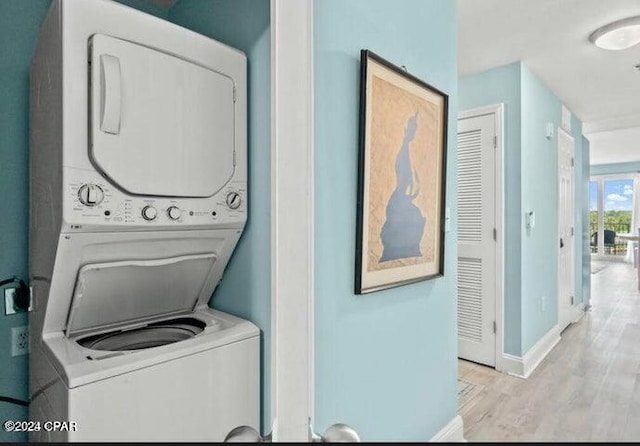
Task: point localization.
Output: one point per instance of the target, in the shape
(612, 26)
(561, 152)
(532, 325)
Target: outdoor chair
(609, 241)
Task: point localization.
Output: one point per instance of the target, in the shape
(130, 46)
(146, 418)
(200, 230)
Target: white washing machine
(138, 198)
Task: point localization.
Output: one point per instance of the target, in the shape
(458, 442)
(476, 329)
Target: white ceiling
(163, 3)
(552, 37)
(616, 146)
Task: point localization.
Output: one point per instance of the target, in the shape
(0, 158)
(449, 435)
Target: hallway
(587, 389)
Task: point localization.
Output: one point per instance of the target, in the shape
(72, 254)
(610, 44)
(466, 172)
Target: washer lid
(160, 125)
(118, 292)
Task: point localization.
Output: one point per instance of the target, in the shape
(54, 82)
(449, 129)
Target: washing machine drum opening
(153, 335)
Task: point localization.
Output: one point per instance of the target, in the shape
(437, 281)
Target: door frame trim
(502, 364)
(292, 233)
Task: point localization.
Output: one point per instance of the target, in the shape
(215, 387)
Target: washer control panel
(91, 200)
(90, 194)
(149, 213)
(234, 200)
(174, 213)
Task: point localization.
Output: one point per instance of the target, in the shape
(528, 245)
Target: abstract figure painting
(401, 181)
(403, 228)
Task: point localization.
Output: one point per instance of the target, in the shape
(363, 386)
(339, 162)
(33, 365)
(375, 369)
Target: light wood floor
(588, 387)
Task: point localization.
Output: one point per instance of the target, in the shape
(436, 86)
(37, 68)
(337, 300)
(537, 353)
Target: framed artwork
(401, 178)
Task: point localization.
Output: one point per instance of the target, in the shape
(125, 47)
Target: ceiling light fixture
(618, 35)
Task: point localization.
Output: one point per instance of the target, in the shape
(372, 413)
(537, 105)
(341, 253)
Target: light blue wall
(19, 25)
(612, 169)
(586, 232)
(502, 85)
(246, 287)
(539, 193)
(530, 185)
(539, 176)
(385, 363)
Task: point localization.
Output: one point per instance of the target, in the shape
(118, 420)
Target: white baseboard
(540, 350)
(511, 365)
(524, 367)
(578, 312)
(453, 432)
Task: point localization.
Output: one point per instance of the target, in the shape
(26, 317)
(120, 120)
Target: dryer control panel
(91, 202)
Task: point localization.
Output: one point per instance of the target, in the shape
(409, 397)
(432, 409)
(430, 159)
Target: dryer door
(160, 125)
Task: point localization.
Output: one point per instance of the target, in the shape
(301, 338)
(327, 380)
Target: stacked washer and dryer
(138, 198)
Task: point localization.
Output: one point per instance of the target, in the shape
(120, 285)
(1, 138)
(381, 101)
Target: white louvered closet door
(476, 239)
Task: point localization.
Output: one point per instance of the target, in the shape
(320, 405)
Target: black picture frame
(394, 271)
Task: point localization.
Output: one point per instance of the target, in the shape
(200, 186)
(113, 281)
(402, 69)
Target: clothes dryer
(138, 199)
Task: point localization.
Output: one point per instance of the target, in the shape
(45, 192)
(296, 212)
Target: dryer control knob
(234, 200)
(149, 213)
(174, 213)
(90, 194)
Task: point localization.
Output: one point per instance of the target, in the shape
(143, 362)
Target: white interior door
(566, 229)
(477, 238)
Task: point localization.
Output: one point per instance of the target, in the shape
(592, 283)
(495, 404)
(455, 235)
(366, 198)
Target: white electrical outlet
(543, 303)
(20, 341)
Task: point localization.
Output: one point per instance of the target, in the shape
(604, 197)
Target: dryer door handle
(111, 94)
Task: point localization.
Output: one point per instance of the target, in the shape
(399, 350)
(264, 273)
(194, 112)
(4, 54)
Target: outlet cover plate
(20, 340)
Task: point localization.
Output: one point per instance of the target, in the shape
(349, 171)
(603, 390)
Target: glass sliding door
(593, 216)
(618, 208)
(611, 214)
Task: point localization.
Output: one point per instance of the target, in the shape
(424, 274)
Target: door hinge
(495, 142)
(571, 300)
(573, 231)
(573, 162)
(495, 235)
(234, 94)
(495, 327)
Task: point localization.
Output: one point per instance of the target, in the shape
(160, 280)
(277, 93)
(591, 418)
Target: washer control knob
(149, 213)
(234, 200)
(90, 194)
(174, 213)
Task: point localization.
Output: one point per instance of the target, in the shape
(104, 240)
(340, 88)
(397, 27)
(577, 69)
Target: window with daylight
(593, 213)
(611, 206)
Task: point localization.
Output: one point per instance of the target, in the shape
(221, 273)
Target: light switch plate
(9, 301)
